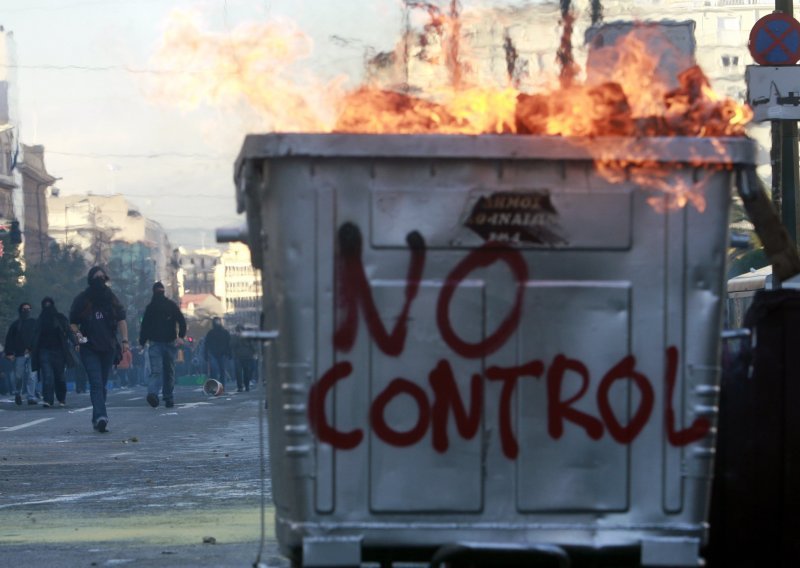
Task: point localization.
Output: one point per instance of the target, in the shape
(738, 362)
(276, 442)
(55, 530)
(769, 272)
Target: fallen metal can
(213, 387)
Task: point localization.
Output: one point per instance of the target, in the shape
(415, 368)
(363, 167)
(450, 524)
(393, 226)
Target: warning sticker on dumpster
(517, 218)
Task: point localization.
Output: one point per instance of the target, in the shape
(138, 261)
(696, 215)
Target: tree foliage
(132, 275)
(11, 283)
(61, 277)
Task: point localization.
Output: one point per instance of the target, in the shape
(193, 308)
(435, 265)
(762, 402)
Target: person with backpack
(97, 316)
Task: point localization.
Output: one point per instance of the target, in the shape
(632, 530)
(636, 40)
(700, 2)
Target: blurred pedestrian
(217, 350)
(97, 316)
(77, 375)
(164, 327)
(124, 371)
(18, 347)
(199, 365)
(5, 374)
(244, 359)
(139, 375)
(53, 348)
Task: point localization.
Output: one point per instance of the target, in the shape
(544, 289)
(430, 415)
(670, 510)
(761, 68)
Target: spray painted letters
(354, 295)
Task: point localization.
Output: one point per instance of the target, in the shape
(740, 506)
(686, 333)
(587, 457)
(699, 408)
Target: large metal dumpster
(484, 343)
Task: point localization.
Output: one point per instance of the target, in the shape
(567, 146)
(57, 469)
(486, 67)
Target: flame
(627, 92)
(469, 111)
(254, 64)
(640, 86)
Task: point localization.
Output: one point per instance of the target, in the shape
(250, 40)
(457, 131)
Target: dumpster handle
(260, 335)
(736, 333)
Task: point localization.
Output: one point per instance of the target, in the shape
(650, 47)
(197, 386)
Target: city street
(164, 487)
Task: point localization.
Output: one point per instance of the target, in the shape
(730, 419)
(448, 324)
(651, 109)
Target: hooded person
(98, 318)
(18, 348)
(217, 350)
(52, 345)
(244, 359)
(163, 327)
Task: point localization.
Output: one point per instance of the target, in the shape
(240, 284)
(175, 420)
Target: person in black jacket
(161, 316)
(244, 359)
(52, 342)
(18, 347)
(97, 316)
(217, 350)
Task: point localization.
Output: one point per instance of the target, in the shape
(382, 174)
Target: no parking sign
(775, 40)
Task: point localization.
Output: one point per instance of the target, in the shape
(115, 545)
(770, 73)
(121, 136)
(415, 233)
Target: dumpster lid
(675, 149)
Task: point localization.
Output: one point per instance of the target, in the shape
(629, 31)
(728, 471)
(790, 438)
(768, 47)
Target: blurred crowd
(240, 363)
(50, 354)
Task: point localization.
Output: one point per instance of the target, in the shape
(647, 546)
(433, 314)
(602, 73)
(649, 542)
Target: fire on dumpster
(627, 94)
(498, 322)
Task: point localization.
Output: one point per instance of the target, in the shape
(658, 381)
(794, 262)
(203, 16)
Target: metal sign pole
(788, 201)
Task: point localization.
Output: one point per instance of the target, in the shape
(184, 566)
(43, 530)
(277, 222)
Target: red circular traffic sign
(775, 40)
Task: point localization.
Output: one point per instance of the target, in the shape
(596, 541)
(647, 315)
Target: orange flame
(629, 91)
(254, 64)
(626, 93)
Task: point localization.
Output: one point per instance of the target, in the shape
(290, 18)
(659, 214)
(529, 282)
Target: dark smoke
(565, 56)
(597, 12)
(512, 55)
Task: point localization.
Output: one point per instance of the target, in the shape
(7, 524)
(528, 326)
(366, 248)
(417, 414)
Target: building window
(730, 61)
(729, 24)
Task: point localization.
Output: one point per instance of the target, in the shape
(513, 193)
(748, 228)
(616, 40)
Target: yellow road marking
(170, 526)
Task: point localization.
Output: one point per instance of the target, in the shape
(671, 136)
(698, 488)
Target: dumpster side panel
(595, 474)
(418, 477)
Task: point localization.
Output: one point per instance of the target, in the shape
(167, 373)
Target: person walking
(217, 350)
(140, 377)
(53, 342)
(164, 327)
(97, 316)
(18, 347)
(77, 375)
(5, 374)
(123, 370)
(244, 359)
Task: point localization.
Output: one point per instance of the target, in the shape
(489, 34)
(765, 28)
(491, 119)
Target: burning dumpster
(485, 345)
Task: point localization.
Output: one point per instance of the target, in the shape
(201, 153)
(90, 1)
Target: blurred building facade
(9, 125)
(196, 270)
(109, 227)
(227, 276)
(516, 45)
(35, 185)
(238, 285)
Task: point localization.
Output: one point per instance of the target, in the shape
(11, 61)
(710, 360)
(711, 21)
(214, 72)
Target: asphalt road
(146, 493)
